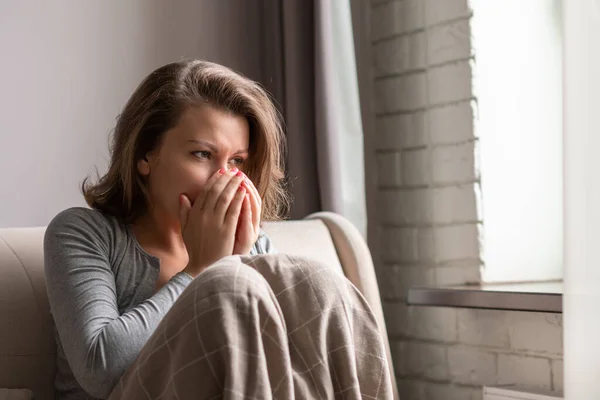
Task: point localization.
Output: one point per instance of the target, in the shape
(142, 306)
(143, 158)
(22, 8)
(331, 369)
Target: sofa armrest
(357, 264)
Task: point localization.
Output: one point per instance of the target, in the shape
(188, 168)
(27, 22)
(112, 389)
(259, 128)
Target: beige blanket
(263, 327)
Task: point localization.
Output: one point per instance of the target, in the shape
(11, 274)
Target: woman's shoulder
(85, 222)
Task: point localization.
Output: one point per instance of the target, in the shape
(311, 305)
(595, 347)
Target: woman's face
(205, 140)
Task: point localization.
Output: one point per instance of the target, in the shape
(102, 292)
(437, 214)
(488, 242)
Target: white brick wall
(458, 274)
(454, 164)
(433, 391)
(392, 18)
(441, 11)
(454, 204)
(422, 360)
(456, 243)
(483, 328)
(471, 365)
(429, 224)
(448, 42)
(401, 131)
(416, 167)
(400, 54)
(450, 83)
(404, 93)
(527, 370)
(451, 124)
(408, 245)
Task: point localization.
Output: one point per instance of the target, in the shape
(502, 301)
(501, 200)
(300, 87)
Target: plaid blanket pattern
(263, 327)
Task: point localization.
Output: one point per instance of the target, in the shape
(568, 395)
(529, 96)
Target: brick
(415, 51)
(403, 93)
(483, 328)
(454, 163)
(442, 391)
(387, 132)
(386, 20)
(412, 129)
(433, 323)
(458, 274)
(398, 279)
(396, 18)
(424, 360)
(450, 42)
(397, 318)
(536, 332)
(410, 389)
(401, 131)
(451, 124)
(416, 167)
(523, 370)
(438, 11)
(449, 83)
(399, 244)
(471, 366)
(457, 242)
(557, 375)
(404, 206)
(413, 14)
(406, 245)
(454, 204)
(425, 245)
(390, 211)
(388, 169)
(400, 54)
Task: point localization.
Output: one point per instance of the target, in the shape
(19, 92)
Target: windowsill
(527, 296)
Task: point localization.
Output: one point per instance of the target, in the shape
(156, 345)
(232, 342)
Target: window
(517, 80)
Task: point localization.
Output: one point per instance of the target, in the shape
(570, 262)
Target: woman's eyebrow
(204, 143)
(212, 147)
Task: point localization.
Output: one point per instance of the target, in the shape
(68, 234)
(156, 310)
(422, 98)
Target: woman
(167, 288)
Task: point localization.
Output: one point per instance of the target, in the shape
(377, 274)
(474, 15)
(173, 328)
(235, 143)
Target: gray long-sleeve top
(101, 288)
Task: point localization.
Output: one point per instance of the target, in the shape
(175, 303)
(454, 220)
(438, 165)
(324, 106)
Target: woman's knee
(284, 271)
(230, 276)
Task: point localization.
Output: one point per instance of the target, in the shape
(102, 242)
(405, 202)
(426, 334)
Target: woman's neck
(156, 231)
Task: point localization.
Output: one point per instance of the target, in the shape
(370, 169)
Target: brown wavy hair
(157, 105)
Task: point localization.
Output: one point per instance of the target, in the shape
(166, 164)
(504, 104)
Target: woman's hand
(249, 223)
(209, 225)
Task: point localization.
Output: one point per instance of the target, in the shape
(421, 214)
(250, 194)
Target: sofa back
(27, 347)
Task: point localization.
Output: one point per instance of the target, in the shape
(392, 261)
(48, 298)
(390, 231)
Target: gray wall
(69, 66)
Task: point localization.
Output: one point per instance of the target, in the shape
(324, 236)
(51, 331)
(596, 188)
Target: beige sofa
(27, 346)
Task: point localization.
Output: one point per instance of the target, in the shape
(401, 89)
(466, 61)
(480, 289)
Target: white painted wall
(517, 80)
(69, 66)
(582, 200)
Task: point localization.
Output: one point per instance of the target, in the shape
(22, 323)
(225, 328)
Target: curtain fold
(310, 68)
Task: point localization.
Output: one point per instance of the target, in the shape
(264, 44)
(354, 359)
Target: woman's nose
(223, 167)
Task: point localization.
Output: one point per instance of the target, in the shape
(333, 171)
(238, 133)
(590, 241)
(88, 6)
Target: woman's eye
(205, 155)
(238, 161)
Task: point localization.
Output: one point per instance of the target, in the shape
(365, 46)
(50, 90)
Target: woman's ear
(143, 166)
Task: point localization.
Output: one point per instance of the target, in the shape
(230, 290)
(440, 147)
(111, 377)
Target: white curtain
(339, 132)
